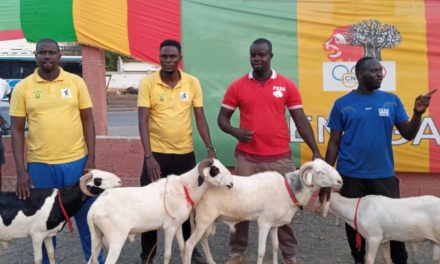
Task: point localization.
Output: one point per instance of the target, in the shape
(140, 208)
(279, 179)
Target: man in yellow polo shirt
(61, 133)
(164, 110)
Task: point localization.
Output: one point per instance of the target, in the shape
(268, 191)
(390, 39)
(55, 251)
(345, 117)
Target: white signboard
(340, 76)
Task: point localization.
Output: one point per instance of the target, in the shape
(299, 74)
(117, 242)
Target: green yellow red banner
(315, 43)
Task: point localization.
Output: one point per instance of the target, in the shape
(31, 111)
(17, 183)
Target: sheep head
(215, 173)
(95, 182)
(319, 173)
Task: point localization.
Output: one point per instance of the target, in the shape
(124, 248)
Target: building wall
(123, 80)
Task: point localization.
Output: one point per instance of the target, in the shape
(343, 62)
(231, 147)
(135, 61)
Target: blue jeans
(57, 176)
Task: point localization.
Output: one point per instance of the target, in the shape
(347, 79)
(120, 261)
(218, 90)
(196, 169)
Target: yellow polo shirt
(55, 132)
(170, 111)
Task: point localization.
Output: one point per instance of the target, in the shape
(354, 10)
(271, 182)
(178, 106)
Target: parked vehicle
(14, 68)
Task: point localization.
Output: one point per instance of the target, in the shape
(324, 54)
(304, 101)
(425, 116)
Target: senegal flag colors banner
(10, 20)
(315, 43)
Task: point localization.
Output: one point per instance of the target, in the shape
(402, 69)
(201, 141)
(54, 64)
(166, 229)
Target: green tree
(111, 60)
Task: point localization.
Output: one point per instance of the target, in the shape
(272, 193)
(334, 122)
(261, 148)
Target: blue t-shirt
(367, 123)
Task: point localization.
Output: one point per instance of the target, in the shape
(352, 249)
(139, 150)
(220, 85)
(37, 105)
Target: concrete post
(94, 76)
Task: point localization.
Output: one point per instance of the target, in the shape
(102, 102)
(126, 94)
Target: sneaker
(293, 260)
(197, 258)
(234, 259)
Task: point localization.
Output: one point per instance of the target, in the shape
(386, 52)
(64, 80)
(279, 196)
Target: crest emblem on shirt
(384, 112)
(37, 94)
(278, 91)
(162, 97)
(66, 93)
(184, 96)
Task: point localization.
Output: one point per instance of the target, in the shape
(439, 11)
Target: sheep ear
(204, 164)
(200, 180)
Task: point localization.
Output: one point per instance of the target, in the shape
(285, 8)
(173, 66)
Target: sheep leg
(115, 247)
(96, 238)
(49, 249)
(372, 245)
(414, 246)
(194, 238)
(436, 252)
(169, 233)
(386, 252)
(205, 246)
(275, 244)
(37, 243)
(180, 243)
(263, 230)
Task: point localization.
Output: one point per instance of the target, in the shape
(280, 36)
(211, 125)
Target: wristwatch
(208, 149)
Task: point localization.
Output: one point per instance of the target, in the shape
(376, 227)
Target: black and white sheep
(40, 216)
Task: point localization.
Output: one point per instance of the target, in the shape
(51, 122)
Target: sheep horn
(83, 181)
(204, 164)
(306, 167)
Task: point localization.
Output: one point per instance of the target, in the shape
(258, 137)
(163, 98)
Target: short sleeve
(84, 100)
(198, 95)
(400, 113)
(230, 98)
(18, 104)
(144, 93)
(294, 100)
(335, 119)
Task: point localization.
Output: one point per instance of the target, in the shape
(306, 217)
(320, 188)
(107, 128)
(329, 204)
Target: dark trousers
(169, 164)
(355, 188)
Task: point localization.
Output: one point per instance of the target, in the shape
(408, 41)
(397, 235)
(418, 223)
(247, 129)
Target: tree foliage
(111, 60)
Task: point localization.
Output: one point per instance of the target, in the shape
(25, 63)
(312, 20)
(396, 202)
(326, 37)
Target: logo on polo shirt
(37, 94)
(184, 96)
(384, 112)
(278, 91)
(66, 93)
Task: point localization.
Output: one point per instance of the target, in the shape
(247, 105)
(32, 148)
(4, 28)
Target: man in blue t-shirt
(361, 125)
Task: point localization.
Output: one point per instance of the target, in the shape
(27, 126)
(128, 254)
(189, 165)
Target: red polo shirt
(262, 110)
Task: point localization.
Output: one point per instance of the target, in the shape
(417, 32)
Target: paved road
(320, 241)
(123, 123)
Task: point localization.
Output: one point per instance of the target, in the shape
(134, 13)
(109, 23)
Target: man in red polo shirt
(263, 136)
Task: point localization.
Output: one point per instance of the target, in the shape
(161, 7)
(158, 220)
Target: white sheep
(262, 197)
(166, 204)
(381, 219)
(40, 216)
